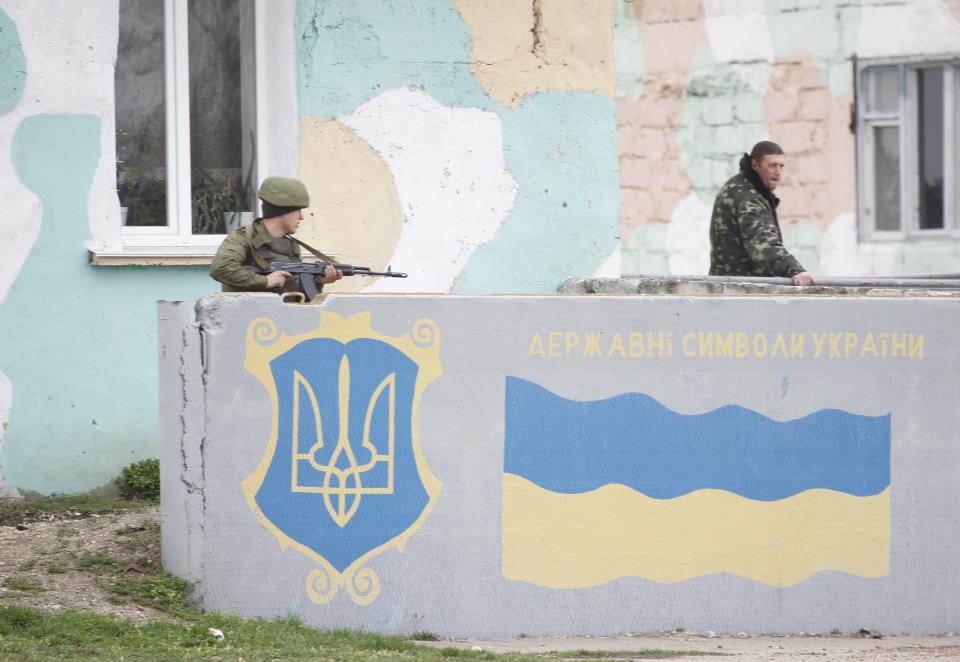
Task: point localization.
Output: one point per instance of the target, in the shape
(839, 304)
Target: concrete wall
(493, 466)
(700, 82)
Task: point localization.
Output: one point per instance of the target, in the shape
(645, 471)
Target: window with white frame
(185, 122)
(909, 149)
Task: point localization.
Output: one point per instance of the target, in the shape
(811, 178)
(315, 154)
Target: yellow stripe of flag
(578, 540)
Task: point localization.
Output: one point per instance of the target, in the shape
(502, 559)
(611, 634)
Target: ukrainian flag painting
(626, 487)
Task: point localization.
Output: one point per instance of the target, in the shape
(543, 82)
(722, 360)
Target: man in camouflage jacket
(745, 237)
(271, 239)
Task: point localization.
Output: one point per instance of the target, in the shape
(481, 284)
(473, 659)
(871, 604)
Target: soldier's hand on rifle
(276, 279)
(330, 275)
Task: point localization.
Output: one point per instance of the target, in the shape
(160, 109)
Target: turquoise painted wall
(78, 342)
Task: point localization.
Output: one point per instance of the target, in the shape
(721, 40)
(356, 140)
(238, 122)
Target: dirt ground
(51, 565)
(58, 564)
(744, 648)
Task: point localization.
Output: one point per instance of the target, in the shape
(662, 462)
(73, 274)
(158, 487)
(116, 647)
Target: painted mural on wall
(699, 82)
(464, 133)
(741, 464)
(625, 486)
(343, 477)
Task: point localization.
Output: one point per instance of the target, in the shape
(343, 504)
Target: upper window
(909, 149)
(185, 122)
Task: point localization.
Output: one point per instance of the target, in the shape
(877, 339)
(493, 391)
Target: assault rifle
(305, 271)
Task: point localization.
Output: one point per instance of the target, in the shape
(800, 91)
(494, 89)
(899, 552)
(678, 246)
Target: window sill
(140, 255)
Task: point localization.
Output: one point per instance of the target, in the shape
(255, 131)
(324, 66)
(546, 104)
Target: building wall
(700, 82)
(471, 144)
(600, 465)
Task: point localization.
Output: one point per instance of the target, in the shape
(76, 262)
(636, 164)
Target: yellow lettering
(616, 346)
(688, 339)
(657, 345)
(884, 336)
(536, 346)
(553, 344)
(818, 340)
(724, 345)
(898, 344)
(706, 344)
(835, 345)
(571, 340)
(796, 345)
(743, 344)
(760, 348)
(916, 346)
(869, 346)
(850, 342)
(592, 345)
(779, 343)
(636, 344)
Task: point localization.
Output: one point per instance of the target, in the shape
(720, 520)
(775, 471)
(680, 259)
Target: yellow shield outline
(264, 343)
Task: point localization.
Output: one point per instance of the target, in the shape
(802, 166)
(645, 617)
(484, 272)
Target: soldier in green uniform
(745, 237)
(267, 239)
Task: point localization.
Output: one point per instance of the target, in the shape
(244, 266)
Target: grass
(20, 511)
(134, 576)
(32, 636)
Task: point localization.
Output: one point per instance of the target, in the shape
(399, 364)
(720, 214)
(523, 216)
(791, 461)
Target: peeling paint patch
(688, 237)
(451, 177)
(564, 221)
(350, 51)
(355, 208)
(721, 119)
(521, 48)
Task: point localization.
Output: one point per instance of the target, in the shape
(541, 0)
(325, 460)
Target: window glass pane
(883, 90)
(221, 153)
(886, 177)
(138, 80)
(930, 152)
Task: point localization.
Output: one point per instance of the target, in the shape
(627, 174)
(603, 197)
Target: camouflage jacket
(233, 255)
(745, 237)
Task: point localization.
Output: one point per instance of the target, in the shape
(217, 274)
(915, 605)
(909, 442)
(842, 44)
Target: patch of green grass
(99, 562)
(29, 635)
(18, 511)
(57, 568)
(836, 632)
(423, 635)
(24, 584)
(29, 564)
(162, 591)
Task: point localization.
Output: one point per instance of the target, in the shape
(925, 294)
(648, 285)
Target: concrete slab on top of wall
(490, 466)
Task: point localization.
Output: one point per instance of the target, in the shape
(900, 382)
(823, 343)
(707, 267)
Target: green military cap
(284, 192)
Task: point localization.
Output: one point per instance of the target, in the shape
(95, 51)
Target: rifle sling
(310, 248)
(248, 233)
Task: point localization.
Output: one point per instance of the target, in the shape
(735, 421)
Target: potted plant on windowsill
(218, 206)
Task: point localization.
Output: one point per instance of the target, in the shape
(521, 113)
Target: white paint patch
(688, 237)
(739, 35)
(451, 178)
(70, 50)
(842, 254)
(69, 55)
(611, 267)
(916, 27)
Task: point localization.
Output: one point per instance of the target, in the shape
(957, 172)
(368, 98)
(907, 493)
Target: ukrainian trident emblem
(343, 477)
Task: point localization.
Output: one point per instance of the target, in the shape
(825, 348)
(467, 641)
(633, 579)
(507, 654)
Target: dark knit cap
(271, 210)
